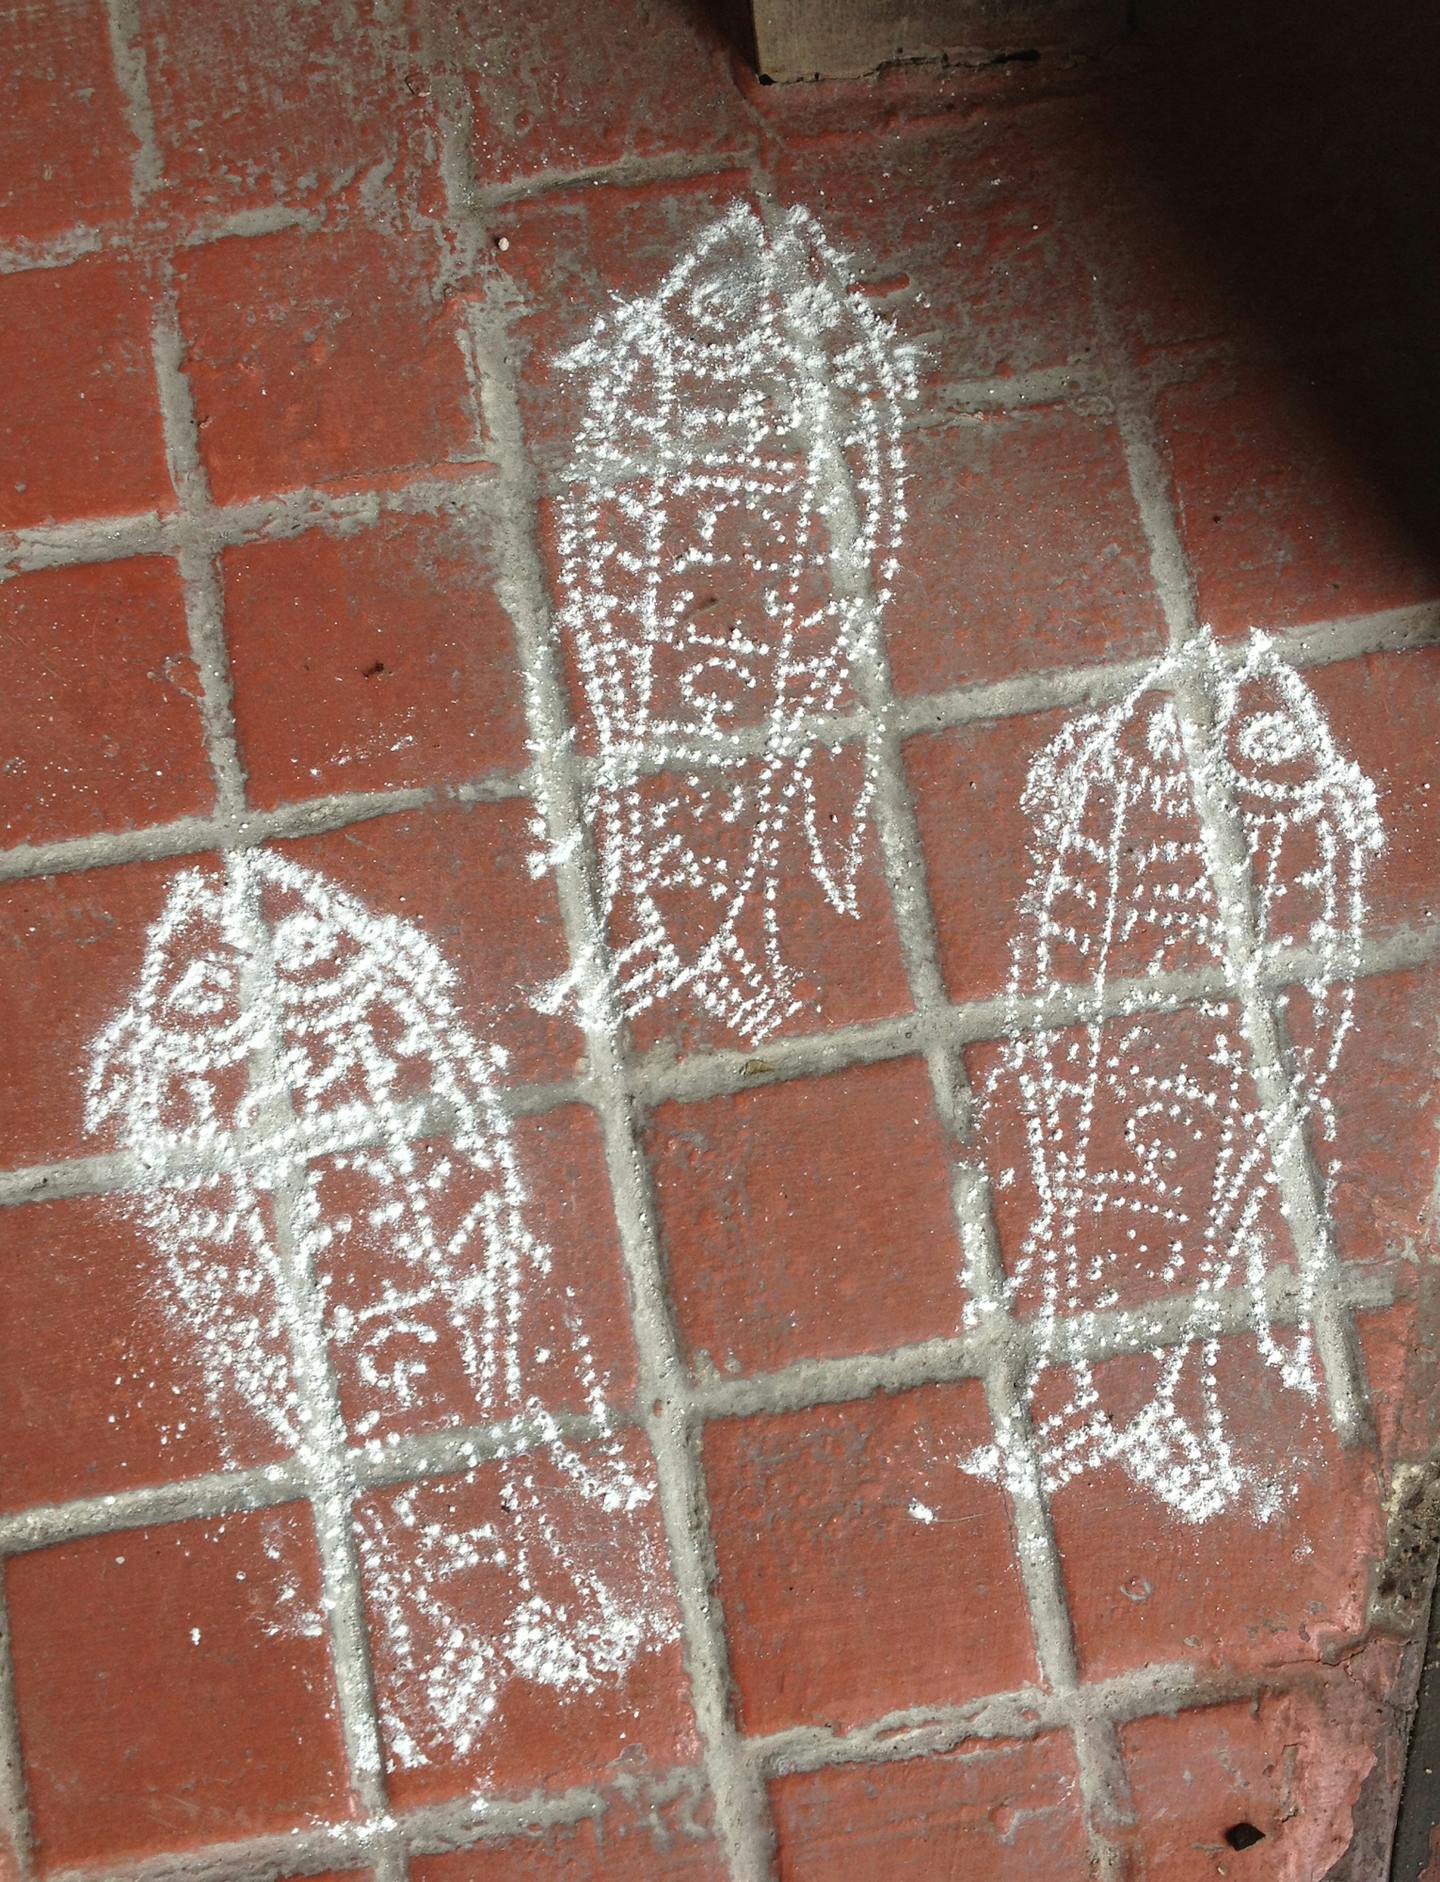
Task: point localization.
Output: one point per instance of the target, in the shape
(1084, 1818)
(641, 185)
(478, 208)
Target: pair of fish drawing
(741, 438)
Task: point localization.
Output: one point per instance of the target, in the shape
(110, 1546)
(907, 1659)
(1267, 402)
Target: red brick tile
(553, 1736)
(967, 785)
(1152, 1182)
(1003, 1811)
(643, 1838)
(1167, 276)
(1385, 1105)
(845, 968)
(99, 1391)
(1291, 1765)
(1023, 551)
(370, 662)
(543, 91)
(462, 877)
(1400, 1371)
(64, 149)
(807, 1219)
(962, 240)
(1382, 713)
(561, 1166)
(568, 257)
(1145, 1586)
(320, 358)
(1282, 521)
(272, 102)
(72, 946)
(100, 719)
(80, 429)
(842, 1603)
(150, 1678)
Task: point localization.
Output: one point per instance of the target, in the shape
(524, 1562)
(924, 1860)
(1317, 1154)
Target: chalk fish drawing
(1152, 1164)
(277, 1023)
(727, 540)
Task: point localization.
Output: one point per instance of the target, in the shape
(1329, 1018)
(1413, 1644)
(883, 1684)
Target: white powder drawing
(278, 1023)
(1159, 1155)
(727, 539)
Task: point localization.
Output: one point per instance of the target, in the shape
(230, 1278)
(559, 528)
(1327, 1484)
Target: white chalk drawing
(727, 539)
(278, 1023)
(1154, 1164)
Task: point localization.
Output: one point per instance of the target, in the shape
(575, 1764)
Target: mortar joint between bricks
(1101, 1776)
(1300, 1182)
(741, 1807)
(802, 1386)
(332, 1489)
(432, 1829)
(14, 1803)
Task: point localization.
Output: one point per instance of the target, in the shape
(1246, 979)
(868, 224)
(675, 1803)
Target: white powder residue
(727, 539)
(277, 1020)
(1159, 1152)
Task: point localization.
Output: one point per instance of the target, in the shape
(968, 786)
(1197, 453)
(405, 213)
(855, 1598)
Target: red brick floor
(788, 1419)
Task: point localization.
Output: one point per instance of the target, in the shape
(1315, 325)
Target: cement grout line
(448, 1451)
(15, 1824)
(154, 233)
(951, 405)
(1085, 1338)
(1301, 1185)
(349, 1127)
(482, 200)
(198, 578)
(1394, 630)
(281, 517)
(1038, 1558)
(329, 1490)
(189, 1499)
(738, 1799)
(331, 1486)
(127, 56)
(1151, 1691)
(804, 1385)
(58, 251)
(659, 1079)
(917, 1732)
(278, 1857)
(17, 1848)
(37, 547)
(1026, 1712)
(195, 837)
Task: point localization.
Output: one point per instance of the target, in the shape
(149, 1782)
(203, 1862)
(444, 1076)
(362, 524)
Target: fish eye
(1270, 738)
(302, 941)
(203, 988)
(708, 303)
